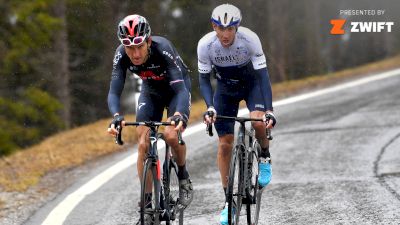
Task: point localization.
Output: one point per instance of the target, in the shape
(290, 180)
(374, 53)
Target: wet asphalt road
(336, 160)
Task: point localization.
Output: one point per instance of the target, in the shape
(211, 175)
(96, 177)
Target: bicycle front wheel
(235, 186)
(150, 195)
(253, 193)
(171, 187)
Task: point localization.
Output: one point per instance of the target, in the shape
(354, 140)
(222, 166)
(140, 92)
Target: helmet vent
(225, 18)
(136, 30)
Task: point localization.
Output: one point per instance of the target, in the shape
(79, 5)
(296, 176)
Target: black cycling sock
(226, 197)
(182, 172)
(265, 153)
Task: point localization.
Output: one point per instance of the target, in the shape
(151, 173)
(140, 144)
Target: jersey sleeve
(117, 82)
(257, 54)
(266, 90)
(204, 67)
(203, 59)
(175, 76)
(206, 88)
(260, 66)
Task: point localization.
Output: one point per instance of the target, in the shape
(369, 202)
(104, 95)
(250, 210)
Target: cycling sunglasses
(135, 41)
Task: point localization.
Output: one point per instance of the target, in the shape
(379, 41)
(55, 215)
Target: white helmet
(226, 15)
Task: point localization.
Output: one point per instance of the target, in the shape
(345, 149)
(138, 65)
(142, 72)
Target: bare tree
(279, 36)
(62, 58)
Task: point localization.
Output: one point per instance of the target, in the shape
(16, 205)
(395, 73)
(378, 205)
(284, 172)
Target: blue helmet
(226, 15)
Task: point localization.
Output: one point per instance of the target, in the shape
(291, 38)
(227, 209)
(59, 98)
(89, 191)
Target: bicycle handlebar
(118, 137)
(238, 119)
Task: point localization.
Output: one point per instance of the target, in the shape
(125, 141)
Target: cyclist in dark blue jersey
(166, 84)
(235, 54)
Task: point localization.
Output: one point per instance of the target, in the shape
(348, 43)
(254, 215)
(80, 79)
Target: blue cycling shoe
(224, 215)
(265, 172)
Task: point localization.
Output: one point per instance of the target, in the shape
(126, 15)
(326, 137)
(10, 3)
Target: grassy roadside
(74, 147)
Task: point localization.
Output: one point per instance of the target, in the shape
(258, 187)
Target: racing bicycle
(162, 203)
(243, 188)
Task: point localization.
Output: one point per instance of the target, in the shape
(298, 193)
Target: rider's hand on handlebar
(179, 122)
(210, 116)
(269, 119)
(117, 121)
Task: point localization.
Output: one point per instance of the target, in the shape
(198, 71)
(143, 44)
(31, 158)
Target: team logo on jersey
(153, 66)
(141, 105)
(262, 63)
(241, 50)
(168, 54)
(150, 75)
(202, 62)
(259, 106)
(117, 57)
(227, 58)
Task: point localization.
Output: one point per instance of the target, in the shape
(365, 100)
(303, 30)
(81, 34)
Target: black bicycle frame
(162, 206)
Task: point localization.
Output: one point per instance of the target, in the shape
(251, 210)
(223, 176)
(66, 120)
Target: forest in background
(56, 55)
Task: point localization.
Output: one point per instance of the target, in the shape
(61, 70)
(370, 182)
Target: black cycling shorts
(226, 102)
(151, 107)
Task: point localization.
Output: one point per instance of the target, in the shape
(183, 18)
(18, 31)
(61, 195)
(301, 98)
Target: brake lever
(180, 140)
(118, 137)
(209, 130)
(269, 135)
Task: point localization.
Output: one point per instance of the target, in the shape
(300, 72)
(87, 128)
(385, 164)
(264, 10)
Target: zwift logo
(339, 26)
(360, 27)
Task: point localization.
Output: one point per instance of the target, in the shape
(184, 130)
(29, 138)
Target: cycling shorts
(151, 107)
(227, 98)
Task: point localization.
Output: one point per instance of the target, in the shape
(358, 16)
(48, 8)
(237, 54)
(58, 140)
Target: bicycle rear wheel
(253, 193)
(235, 187)
(150, 195)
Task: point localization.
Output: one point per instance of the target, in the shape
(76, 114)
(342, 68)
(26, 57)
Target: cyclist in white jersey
(235, 55)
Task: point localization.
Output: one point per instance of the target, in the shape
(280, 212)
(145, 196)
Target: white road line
(58, 215)
(65, 207)
(338, 87)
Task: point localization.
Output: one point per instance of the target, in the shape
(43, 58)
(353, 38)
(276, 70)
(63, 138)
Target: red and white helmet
(133, 30)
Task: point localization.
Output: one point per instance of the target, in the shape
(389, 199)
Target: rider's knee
(258, 125)
(170, 136)
(142, 146)
(225, 148)
(143, 142)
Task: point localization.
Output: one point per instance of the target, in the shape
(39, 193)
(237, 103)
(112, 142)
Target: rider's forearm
(183, 98)
(206, 89)
(266, 89)
(114, 95)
